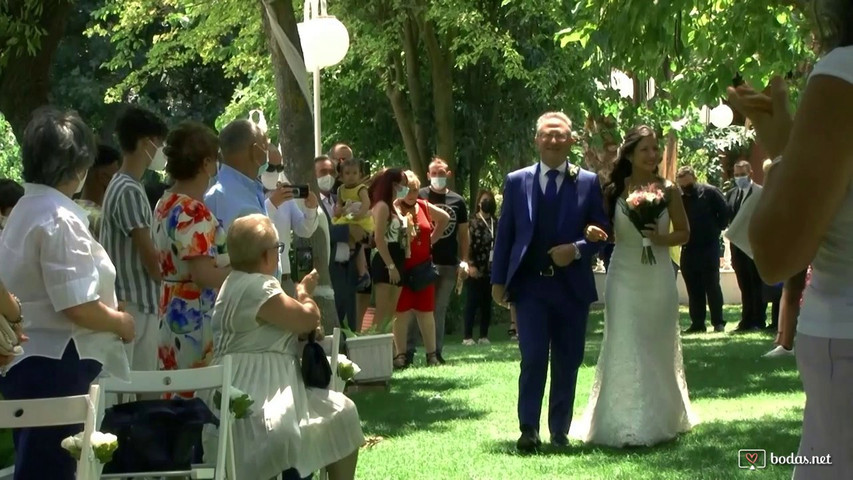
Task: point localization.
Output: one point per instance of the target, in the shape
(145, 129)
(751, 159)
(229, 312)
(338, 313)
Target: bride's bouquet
(644, 206)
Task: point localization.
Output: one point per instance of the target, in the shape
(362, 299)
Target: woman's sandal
(400, 361)
(432, 359)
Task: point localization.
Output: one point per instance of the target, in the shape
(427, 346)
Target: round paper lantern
(722, 116)
(325, 42)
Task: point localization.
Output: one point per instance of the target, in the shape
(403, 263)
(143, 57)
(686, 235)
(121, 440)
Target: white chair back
(53, 412)
(173, 381)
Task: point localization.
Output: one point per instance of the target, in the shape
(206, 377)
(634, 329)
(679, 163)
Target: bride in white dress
(639, 397)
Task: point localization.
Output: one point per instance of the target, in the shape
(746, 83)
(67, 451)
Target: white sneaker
(468, 342)
(779, 351)
(484, 341)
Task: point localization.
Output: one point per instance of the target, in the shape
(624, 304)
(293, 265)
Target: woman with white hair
(66, 285)
(258, 326)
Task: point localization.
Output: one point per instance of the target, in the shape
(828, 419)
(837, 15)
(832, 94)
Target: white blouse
(50, 261)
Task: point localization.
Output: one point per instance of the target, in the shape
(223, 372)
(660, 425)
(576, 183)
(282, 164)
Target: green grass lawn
(459, 421)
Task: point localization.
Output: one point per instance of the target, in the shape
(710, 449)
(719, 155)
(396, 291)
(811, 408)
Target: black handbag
(156, 435)
(316, 371)
(421, 276)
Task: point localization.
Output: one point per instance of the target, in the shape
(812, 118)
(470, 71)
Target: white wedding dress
(639, 397)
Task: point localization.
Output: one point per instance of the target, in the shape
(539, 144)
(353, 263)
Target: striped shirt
(126, 209)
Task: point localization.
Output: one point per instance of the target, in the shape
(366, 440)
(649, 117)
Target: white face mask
(271, 180)
(438, 183)
(326, 183)
(82, 182)
(158, 161)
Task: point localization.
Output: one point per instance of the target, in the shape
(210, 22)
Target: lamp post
(325, 42)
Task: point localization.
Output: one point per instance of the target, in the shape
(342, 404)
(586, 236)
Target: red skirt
(424, 300)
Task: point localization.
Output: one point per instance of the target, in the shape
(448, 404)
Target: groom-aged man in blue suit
(542, 265)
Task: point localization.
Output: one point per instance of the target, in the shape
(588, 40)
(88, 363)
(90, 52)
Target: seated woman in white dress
(258, 325)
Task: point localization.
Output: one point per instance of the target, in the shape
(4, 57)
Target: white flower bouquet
(103, 445)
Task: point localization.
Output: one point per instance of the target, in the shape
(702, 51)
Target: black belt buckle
(548, 272)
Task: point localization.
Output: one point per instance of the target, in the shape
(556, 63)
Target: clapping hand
(595, 234)
(771, 114)
(309, 282)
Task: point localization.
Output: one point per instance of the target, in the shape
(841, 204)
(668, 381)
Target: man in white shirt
(287, 214)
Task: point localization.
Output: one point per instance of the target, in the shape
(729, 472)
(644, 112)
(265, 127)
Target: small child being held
(353, 207)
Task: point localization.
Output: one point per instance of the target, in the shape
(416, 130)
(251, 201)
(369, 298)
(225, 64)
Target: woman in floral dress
(191, 245)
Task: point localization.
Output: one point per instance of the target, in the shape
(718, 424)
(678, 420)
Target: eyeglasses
(280, 246)
(275, 168)
(562, 137)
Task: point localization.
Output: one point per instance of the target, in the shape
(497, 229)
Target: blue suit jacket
(585, 206)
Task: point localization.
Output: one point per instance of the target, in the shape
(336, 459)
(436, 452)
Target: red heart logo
(752, 457)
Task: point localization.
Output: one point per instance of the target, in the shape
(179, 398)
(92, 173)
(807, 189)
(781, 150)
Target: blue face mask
(742, 182)
(263, 167)
(402, 192)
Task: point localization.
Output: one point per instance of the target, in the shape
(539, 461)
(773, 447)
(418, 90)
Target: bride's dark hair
(622, 167)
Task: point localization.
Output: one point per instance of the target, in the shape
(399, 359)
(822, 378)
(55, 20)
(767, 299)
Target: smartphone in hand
(299, 191)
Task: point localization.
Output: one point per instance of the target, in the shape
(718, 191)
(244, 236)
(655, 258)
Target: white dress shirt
(52, 263)
(341, 248)
(543, 178)
(291, 215)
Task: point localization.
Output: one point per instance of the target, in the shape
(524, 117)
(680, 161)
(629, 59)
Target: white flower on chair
(240, 404)
(347, 369)
(103, 445)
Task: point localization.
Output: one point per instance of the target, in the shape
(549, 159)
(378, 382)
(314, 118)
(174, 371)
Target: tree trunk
(296, 125)
(403, 116)
(297, 146)
(442, 96)
(25, 79)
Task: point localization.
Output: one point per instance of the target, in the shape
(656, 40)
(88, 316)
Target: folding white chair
(337, 384)
(171, 381)
(54, 412)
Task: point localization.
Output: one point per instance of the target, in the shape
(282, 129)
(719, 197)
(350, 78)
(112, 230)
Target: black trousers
(478, 300)
(703, 282)
(754, 305)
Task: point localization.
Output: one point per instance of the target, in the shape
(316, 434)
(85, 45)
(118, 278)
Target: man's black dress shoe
(719, 328)
(529, 441)
(560, 440)
(695, 330)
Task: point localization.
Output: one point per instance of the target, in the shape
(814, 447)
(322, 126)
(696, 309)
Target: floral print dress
(184, 228)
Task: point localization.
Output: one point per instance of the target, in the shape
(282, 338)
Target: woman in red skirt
(426, 222)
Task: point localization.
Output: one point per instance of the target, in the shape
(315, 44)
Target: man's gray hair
(553, 116)
(238, 136)
(57, 147)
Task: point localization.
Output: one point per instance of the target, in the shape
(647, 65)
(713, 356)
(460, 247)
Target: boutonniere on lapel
(572, 172)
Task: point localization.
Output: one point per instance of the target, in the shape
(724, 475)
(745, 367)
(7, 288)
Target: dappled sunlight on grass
(459, 421)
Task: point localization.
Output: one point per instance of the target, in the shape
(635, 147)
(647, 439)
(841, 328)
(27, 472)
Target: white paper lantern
(722, 116)
(623, 83)
(325, 42)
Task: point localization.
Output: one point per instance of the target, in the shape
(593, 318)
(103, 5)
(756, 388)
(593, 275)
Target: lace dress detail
(639, 397)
